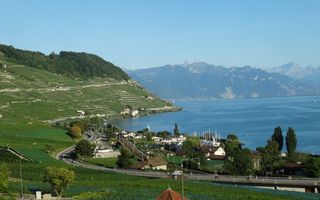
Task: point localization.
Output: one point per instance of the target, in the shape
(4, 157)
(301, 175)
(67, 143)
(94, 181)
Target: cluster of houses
(129, 112)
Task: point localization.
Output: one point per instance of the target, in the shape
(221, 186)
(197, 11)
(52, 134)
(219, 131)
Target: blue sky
(140, 34)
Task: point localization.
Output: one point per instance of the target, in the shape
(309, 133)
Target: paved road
(240, 180)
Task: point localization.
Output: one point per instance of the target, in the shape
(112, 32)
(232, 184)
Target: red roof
(170, 194)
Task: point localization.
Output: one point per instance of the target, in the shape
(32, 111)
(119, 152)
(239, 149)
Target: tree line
(71, 64)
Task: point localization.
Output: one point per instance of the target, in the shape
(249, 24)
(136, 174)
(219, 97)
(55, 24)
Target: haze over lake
(253, 120)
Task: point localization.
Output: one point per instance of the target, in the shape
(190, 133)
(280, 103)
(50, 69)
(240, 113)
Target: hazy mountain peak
(201, 80)
(293, 70)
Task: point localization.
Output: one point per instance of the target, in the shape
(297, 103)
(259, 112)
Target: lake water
(253, 120)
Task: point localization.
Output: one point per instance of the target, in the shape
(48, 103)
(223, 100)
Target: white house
(155, 163)
(135, 113)
(156, 139)
(105, 153)
(81, 112)
(213, 153)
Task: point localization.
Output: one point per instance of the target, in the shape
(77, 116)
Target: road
(239, 180)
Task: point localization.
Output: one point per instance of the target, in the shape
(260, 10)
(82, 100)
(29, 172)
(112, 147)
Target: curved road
(241, 180)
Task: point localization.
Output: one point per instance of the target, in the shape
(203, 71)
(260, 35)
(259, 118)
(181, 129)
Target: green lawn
(105, 162)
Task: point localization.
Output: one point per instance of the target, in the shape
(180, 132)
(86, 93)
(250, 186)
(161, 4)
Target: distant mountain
(293, 70)
(83, 65)
(204, 81)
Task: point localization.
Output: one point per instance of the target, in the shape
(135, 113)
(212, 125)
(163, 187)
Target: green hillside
(72, 64)
(34, 94)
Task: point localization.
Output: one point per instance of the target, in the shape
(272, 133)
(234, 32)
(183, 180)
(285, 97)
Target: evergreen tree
(278, 137)
(176, 130)
(291, 142)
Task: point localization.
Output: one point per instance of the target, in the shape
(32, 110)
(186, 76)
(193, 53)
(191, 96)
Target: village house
(174, 140)
(128, 111)
(156, 139)
(81, 113)
(135, 113)
(213, 152)
(105, 153)
(256, 160)
(155, 163)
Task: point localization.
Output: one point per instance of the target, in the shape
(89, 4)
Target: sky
(149, 33)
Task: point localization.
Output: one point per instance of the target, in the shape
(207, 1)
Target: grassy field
(105, 162)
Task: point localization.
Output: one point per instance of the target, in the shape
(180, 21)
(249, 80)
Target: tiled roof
(170, 194)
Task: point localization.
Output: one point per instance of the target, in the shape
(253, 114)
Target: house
(156, 139)
(213, 153)
(135, 113)
(81, 112)
(174, 140)
(256, 159)
(155, 163)
(105, 153)
(131, 135)
(170, 194)
(210, 143)
(293, 168)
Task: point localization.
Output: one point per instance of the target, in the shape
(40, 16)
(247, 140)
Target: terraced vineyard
(33, 94)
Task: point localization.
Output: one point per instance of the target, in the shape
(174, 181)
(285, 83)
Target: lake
(252, 120)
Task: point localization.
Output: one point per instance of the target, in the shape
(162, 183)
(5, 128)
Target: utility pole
(182, 190)
(21, 189)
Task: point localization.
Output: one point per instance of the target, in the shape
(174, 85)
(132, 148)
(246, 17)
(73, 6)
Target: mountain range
(295, 71)
(200, 80)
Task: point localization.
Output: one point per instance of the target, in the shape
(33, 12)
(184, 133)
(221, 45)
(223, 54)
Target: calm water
(253, 120)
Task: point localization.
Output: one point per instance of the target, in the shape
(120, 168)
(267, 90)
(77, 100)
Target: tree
(163, 134)
(232, 137)
(49, 148)
(4, 175)
(191, 148)
(291, 142)
(84, 149)
(125, 158)
(270, 156)
(278, 137)
(176, 130)
(240, 163)
(312, 167)
(75, 131)
(58, 178)
(232, 145)
(110, 131)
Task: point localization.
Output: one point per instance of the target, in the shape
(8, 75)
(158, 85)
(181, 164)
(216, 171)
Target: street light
(182, 192)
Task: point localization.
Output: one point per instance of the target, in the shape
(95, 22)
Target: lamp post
(21, 188)
(182, 190)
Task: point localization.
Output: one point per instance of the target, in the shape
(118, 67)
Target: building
(256, 160)
(155, 163)
(170, 194)
(105, 153)
(213, 153)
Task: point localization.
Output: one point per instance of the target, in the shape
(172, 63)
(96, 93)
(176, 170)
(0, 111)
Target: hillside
(204, 81)
(32, 94)
(72, 64)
